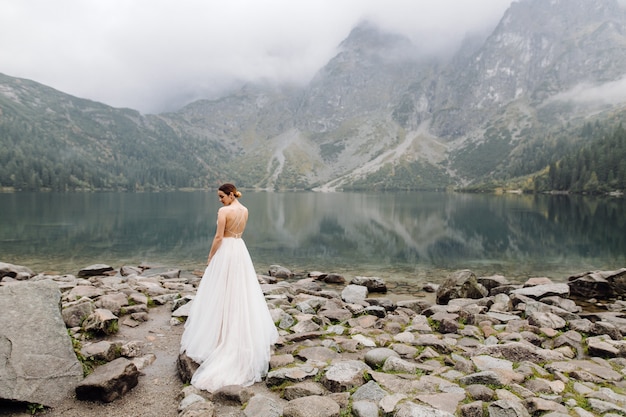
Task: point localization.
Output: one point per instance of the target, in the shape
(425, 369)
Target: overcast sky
(156, 55)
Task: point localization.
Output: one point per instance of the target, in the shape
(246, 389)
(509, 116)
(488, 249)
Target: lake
(399, 236)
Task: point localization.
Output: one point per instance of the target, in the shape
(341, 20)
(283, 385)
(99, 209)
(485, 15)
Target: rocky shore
(472, 346)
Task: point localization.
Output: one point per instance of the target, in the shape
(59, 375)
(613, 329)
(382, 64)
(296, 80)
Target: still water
(412, 237)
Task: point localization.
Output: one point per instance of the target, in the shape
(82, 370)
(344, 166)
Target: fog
(157, 55)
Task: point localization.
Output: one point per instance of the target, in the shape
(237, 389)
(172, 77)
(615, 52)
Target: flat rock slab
(109, 382)
(39, 365)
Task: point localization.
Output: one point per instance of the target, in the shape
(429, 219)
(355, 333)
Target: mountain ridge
(378, 115)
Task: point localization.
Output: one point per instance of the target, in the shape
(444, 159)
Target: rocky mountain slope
(381, 114)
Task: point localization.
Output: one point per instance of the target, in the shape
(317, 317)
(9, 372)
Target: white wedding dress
(229, 331)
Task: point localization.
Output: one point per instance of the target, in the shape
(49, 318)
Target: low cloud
(156, 55)
(612, 92)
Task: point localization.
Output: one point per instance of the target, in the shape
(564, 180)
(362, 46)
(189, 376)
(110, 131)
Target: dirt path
(159, 384)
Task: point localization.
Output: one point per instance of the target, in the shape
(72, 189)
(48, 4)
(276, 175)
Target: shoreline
(351, 346)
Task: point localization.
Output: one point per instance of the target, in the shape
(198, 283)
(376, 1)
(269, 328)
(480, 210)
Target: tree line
(599, 166)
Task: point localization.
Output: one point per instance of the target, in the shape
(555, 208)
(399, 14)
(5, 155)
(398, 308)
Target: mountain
(381, 114)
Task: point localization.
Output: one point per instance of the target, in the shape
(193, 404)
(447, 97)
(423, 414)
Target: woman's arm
(219, 233)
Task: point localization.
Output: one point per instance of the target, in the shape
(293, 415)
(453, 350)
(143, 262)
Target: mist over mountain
(381, 114)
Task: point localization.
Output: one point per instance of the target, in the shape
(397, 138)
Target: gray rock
(313, 406)
(199, 409)
(460, 284)
(536, 405)
(101, 321)
(74, 315)
(363, 408)
(16, 272)
(291, 374)
(94, 270)
(345, 375)
(113, 302)
(602, 407)
(473, 409)
(411, 409)
(546, 319)
(262, 406)
(373, 284)
(397, 365)
(480, 392)
(517, 352)
(190, 400)
(590, 285)
(377, 311)
(371, 391)
(100, 351)
(109, 381)
(354, 294)
(279, 272)
(444, 401)
(317, 353)
(186, 367)
(303, 389)
(377, 357)
(38, 363)
(546, 290)
(483, 378)
(504, 408)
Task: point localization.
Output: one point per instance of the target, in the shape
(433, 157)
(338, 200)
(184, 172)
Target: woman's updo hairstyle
(230, 188)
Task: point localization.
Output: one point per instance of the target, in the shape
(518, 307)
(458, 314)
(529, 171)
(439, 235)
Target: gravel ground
(159, 384)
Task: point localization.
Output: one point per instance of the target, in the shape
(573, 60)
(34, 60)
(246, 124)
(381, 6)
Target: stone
(17, 272)
(503, 408)
(460, 284)
(100, 351)
(38, 363)
(444, 401)
(354, 294)
(313, 406)
(317, 353)
(345, 375)
(199, 409)
(262, 406)
(109, 381)
(546, 290)
(74, 315)
(546, 319)
(373, 284)
(411, 409)
(375, 358)
(397, 365)
(113, 302)
(363, 408)
(95, 270)
(296, 373)
(517, 352)
(186, 367)
(279, 272)
(590, 285)
(303, 389)
(371, 391)
(473, 409)
(480, 392)
(101, 321)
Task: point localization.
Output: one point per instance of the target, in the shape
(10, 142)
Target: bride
(229, 331)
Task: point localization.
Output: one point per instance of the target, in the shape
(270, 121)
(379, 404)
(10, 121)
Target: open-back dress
(229, 331)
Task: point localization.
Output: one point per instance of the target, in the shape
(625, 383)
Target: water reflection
(412, 236)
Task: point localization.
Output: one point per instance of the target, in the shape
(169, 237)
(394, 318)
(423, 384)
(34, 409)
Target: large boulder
(460, 284)
(109, 382)
(598, 284)
(39, 363)
(16, 272)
